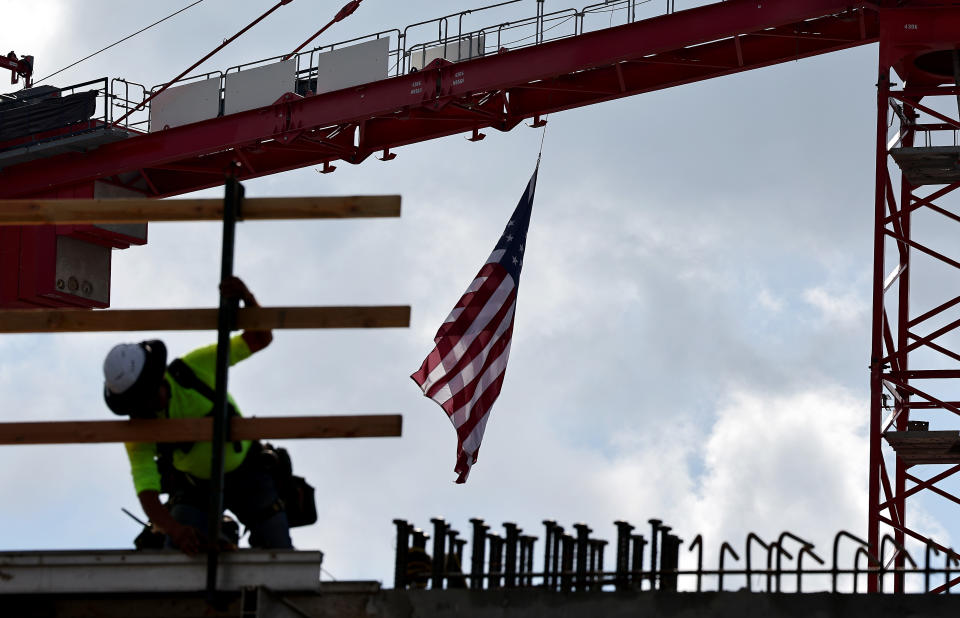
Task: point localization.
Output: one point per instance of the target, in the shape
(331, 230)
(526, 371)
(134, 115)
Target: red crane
(467, 93)
(20, 66)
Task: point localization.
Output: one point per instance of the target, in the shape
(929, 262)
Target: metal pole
(403, 548)
(623, 553)
(496, 560)
(876, 337)
(439, 555)
(583, 547)
(557, 550)
(226, 321)
(566, 563)
(550, 526)
(636, 565)
(478, 551)
(512, 536)
(654, 533)
(528, 541)
(903, 342)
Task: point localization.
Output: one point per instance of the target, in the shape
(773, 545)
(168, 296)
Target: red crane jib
(666, 51)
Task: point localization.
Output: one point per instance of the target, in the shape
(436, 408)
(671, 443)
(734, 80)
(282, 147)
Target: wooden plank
(112, 320)
(139, 210)
(200, 429)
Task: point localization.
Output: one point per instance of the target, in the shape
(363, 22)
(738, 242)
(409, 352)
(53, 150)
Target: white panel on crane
(351, 66)
(462, 49)
(259, 87)
(184, 104)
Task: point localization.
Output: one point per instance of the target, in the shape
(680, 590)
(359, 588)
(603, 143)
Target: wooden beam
(111, 320)
(139, 210)
(200, 429)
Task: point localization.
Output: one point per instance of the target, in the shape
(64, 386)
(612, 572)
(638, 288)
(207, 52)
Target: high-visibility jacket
(188, 403)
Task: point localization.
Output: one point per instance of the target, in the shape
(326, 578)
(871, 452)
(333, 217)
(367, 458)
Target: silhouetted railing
(573, 560)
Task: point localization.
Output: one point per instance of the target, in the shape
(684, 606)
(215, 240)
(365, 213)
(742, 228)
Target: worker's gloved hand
(186, 538)
(234, 287)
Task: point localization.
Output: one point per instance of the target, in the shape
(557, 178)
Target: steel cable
(121, 40)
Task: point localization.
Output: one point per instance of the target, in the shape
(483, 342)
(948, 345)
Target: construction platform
(367, 600)
(925, 447)
(929, 165)
(130, 571)
(83, 141)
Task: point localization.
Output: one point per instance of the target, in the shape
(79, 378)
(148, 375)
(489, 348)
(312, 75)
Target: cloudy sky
(691, 340)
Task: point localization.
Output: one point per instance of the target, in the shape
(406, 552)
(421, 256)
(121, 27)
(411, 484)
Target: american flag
(464, 372)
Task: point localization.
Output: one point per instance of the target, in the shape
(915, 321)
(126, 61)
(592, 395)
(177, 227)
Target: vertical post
(400, 561)
(540, 12)
(598, 574)
(557, 550)
(636, 567)
(417, 574)
(510, 570)
(453, 565)
(527, 543)
(654, 533)
(550, 529)
(477, 553)
(460, 543)
(566, 564)
(496, 560)
(226, 321)
(623, 553)
(592, 561)
(903, 342)
(439, 554)
(876, 334)
(522, 561)
(583, 547)
(669, 561)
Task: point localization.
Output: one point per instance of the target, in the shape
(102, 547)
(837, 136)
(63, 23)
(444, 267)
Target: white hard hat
(132, 373)
(123, 366)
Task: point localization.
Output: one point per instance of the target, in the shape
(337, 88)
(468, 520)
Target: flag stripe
(451, 348)
(478, 346)
(464, 395)
(471, 302)
(467, 457)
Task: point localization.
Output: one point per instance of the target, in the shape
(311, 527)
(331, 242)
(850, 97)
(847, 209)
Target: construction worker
(139, 383)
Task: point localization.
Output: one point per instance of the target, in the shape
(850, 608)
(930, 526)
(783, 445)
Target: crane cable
(342, 14)
(174, 14)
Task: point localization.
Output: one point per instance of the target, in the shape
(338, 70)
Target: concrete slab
(126, 571)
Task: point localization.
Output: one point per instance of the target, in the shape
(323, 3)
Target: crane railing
(454, 37)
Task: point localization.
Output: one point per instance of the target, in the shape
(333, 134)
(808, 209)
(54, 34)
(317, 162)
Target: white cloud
(769, 301)
(841, 308)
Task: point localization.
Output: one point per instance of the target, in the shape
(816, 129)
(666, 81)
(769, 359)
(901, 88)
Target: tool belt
(297, 496)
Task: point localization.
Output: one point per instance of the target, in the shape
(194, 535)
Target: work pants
(249, 492)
